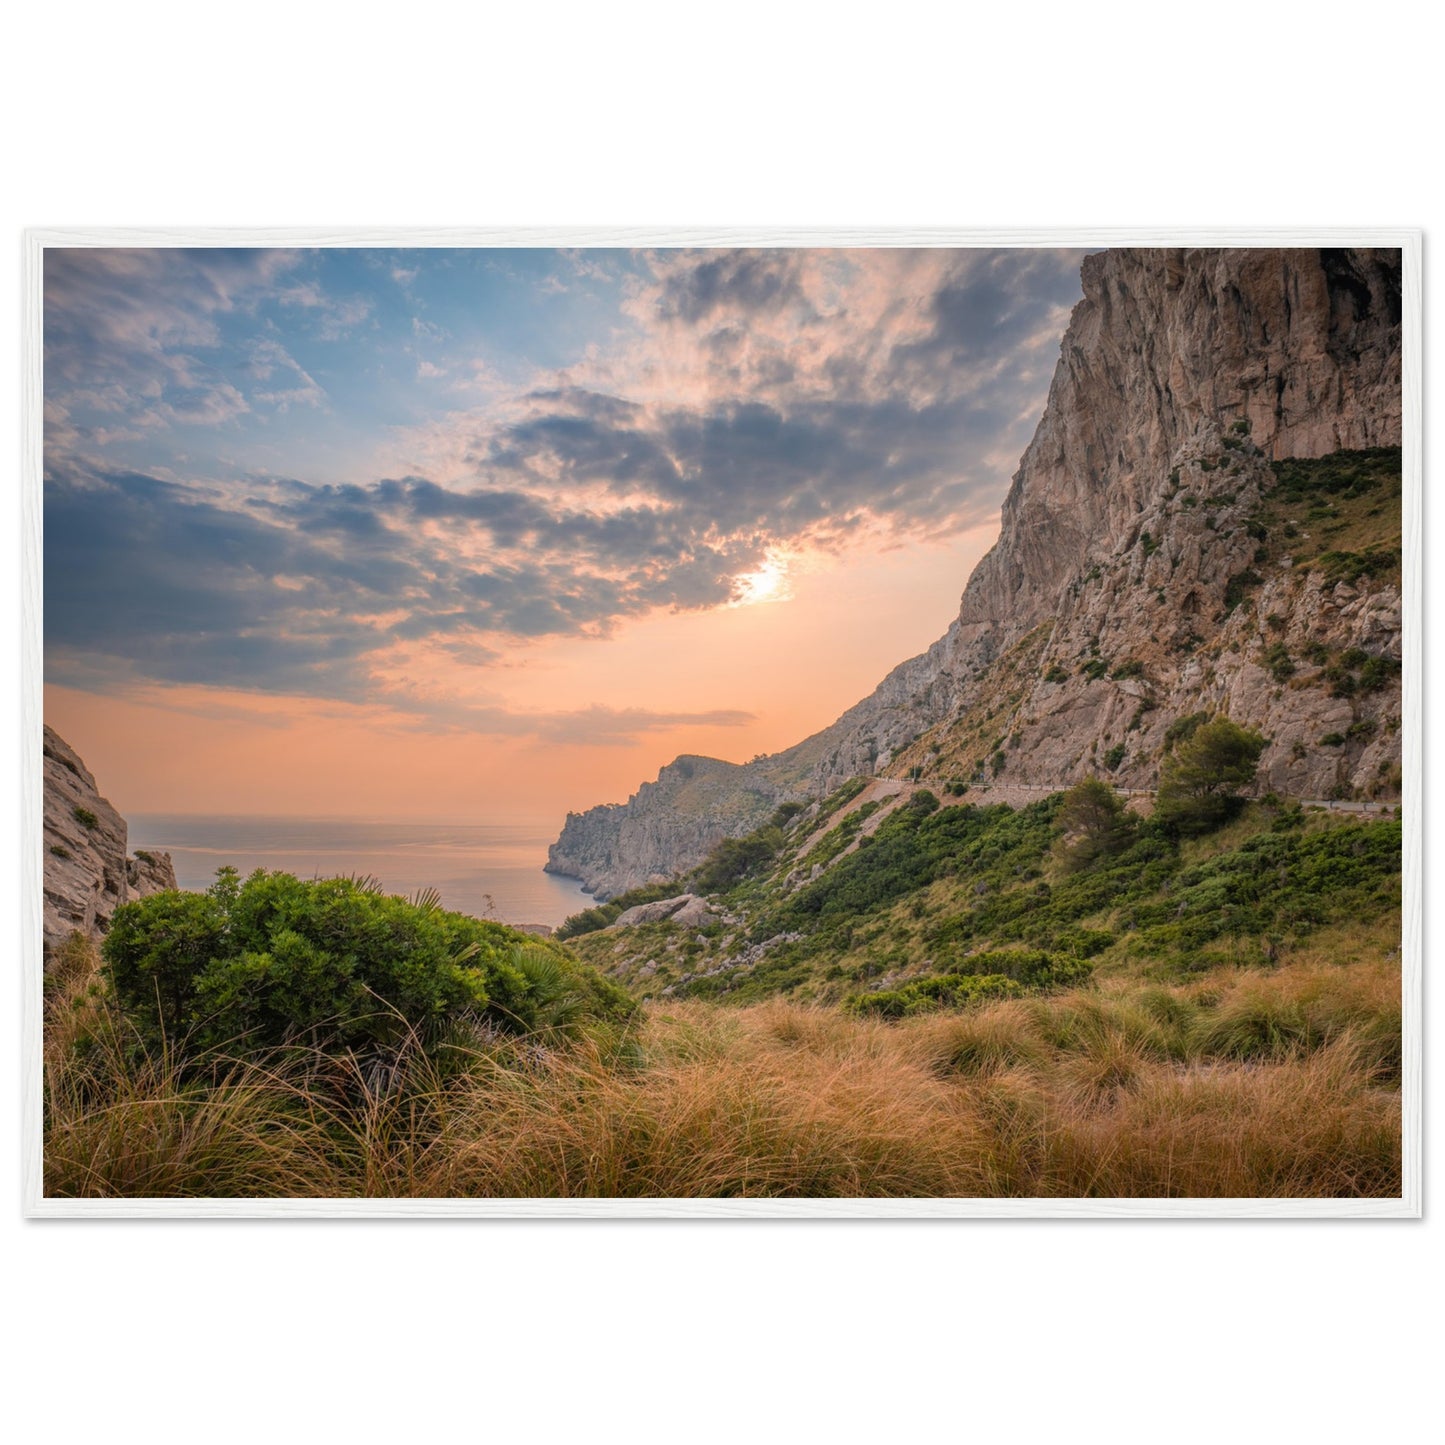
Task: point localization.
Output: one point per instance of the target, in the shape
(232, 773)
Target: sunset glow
(438, 533)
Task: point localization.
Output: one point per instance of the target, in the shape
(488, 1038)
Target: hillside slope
(1158, 556)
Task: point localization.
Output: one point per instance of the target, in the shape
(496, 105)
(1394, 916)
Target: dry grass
(1239, 1085)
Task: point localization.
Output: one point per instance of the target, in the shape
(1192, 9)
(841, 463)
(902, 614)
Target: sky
(451, 535)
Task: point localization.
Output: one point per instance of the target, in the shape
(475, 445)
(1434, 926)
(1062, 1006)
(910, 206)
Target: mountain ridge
(1171, 542)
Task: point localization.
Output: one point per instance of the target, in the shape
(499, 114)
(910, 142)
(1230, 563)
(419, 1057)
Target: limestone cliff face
(1143, 569)
(87, 873)
(666, 825)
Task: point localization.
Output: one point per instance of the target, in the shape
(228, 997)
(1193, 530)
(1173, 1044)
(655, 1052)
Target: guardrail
(1334, 805)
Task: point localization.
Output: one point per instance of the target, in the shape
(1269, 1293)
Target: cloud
(145, 341)
(744, 404)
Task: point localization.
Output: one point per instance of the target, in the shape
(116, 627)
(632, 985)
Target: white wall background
(766, 114)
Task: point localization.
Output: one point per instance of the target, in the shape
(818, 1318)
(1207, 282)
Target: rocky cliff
(668, 824)
(87, 873)
(1207, 519)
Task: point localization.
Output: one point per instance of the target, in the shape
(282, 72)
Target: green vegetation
(1238, 588)
(1074, 875)
(1201, 779)
(85, 818)
(604, 915)
(60, 850)
(1246, 1084)
(1276, 661)
(1338, 514)
(335, 966)
(1093, 825)
(1062, 999)
(1351, 566)
(991, 975)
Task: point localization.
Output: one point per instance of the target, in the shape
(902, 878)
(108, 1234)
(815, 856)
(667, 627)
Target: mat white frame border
(1408, 1206)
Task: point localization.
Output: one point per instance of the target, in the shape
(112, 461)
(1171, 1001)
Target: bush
(333, 965)
(737, 858)
(1238, 588)
(85, 818)
(604, 915)
(932, 994)
(1276, 661)
(1005, 973)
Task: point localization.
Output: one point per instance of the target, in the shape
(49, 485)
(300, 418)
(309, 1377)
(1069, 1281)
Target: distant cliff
(1157, 557)
(87, 873)
(694, 803)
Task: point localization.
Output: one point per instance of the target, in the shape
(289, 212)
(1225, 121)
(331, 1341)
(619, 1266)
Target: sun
(767, 584)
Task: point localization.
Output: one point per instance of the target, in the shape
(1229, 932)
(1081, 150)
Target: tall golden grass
(1247, 1084)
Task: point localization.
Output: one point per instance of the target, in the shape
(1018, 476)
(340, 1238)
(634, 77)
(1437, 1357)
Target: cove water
(491, 870)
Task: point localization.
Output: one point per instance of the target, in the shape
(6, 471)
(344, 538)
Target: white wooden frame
(1408, 1206)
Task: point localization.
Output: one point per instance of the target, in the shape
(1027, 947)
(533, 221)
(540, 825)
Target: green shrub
(1276, 661)
(1349, 567)
(1376, 673)
(85, 818)
(737, 858)
(1002, 973)
(1114, 756)
(1238, 587)
(604, 915)
(60, 850)
(933, 994)
(333, 965)
(1333, 740)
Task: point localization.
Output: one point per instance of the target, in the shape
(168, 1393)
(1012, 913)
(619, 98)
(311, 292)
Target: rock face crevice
(87, 874)
(1127, 537)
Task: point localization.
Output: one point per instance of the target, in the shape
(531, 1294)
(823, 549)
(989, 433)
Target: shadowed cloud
(737, 403)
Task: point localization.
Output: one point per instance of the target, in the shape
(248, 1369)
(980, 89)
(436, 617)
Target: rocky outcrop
(667, 825)
(1139, 573)
(147, 873)
(87, 874)
(687, 909)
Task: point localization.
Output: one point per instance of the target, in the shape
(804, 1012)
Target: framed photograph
(724, 723)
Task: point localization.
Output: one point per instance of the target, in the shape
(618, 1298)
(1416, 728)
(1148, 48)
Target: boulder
(686, 909)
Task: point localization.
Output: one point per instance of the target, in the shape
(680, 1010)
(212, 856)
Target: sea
(488, 870)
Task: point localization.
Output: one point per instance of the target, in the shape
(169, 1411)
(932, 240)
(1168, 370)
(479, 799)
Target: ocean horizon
(489, 870)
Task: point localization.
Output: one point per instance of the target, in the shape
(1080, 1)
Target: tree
(1094, 825)
(1200, 782)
